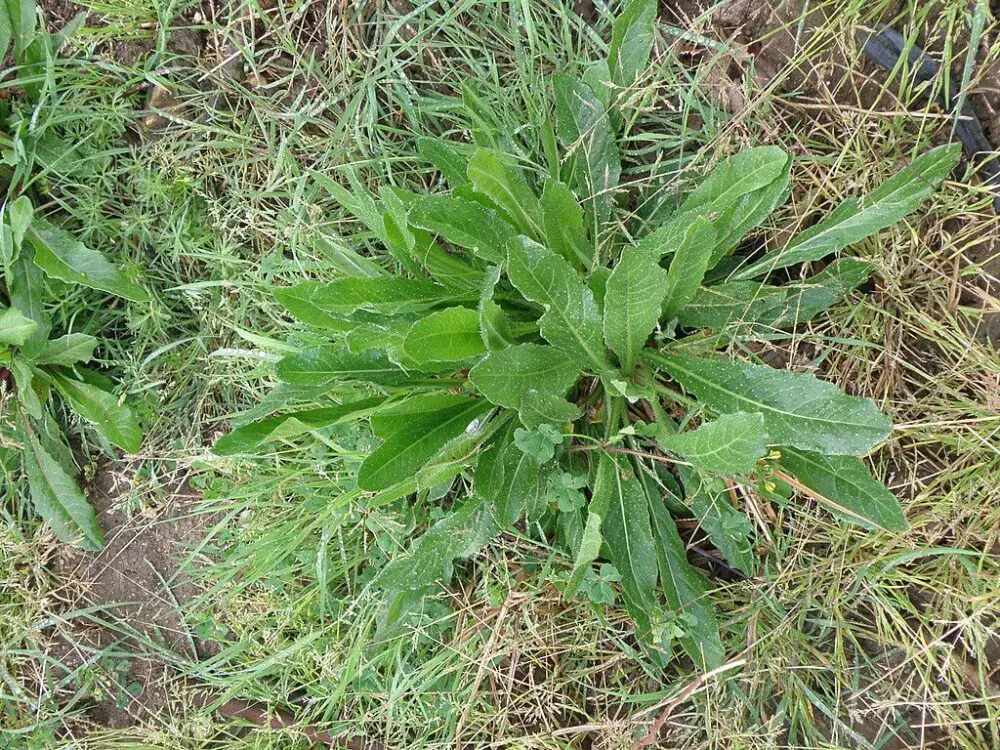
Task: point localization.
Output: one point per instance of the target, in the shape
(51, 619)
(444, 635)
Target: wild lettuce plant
(39, 260)
(526, 358)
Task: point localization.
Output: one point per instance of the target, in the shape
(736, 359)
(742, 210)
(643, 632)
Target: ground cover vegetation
(496, 373)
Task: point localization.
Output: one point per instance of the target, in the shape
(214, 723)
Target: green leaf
(544, 407)
(510, 479)
(506, 187)
(327, 365)
(61, 256)
(692, 258)
(588, 550)
(727, 528)
(538, 443)
(464, 223)
(412, 433)
(632, 34)
(20, 213)
(632, 301)
(844, 486)
(852, 221)
(56, 497)
(6, 29)
(729, 445)
(461, 533)
(450, 335)
(27, 293)
(250, 437)
(494, 326)
(627, 532)
(798, 409)
(446, 159)
(319, 304)
(685, 590)
(586, 133)
(750, 302)
(571, 321)
(113, 420)
(68, 350)
(15, 328)
(504, 376)
(738, 194)
(562, 221)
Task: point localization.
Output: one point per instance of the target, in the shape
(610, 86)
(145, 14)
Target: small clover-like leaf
(538, 443)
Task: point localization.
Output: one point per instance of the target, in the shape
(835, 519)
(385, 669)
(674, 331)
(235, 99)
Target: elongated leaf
(631, 41)
(685, 590)
(510, 479)
(250, 437)
(412, 433)
(852, 221)
(446, 159)
(727, 527)
(571, 321)
(843, 485)
(562, 221)
(56, 497)
(627, 532)
(61, 256)
(586, 133)
(750, 302)
(505, 375)
(494, 327)
(691, 260)
(68, 350)
(27, 293)
(319, 304)
(505, 186)
(633, 297)
(20, 213)
(15, 328)
(112, 419)
(461, 533)
(325, 365)
(730, 444)
(798, 410)
(545, 407)
(464, 223)
(587, 551)
(450, 335)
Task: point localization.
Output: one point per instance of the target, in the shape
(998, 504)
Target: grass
(848, 639)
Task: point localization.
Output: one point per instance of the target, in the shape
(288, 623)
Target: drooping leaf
(506, 187)
(798, 409)
(324, 365)
(692, 258)
(632, 35)
(633, 297)
(843, 485)
(320, 304)
(853, 221)
(728, 445)
(464, 223)
(15, 328)
(562, 221)
(113, 420)
(412, 433)
(450, 335)
(56, 497)
(251, 437)
(68, 350)
(626, 530)
(685, 590)
(61, 256)
(585, 131)
(504, 376)
(571, 321)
